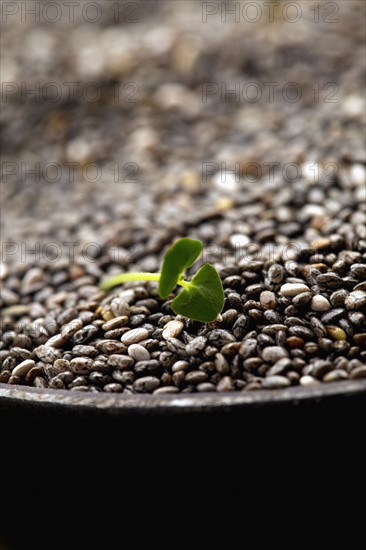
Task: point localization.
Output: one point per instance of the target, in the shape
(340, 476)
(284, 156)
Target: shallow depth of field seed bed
(96, 187)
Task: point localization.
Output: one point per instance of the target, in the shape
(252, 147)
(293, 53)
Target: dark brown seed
(358, 372)
(121, 362)
(355, 300)
(329, 280)
(196, 377)
(333, 316)
(276, 273)
(295, 341)
(147, 384)
(318, 327)
(248, 348)
(359, 271)
(302, 299)
(301, 331)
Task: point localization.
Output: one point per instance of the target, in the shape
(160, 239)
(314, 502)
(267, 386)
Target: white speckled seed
(320, 303)
(293, 289)
(172, 329)
(139, 353)
(238, 240)
(135, 335)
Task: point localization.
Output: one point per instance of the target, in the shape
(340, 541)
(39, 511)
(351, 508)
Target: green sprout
(201, 299)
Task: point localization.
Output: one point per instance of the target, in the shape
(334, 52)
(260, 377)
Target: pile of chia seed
(284, 323)
(289, 243)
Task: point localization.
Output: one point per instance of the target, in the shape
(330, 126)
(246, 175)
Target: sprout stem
(125, 277)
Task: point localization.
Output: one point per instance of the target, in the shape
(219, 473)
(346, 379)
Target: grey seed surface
(123, 376)
(358, 372)
(338, 297)
(81, 365)
(276, 273)
(113, 387)
(56, 383)
(196, 377)
(359, 271)
(333, 315)
(89, 351)
(122, 362)
(302, 299)
(220, 337)
(32, 374)
(147, 384)
(355, 300)
(21, 353)
(280, 367)
(329, 280)
(68, 330)
(180, 366)
(221, 364)
(225, 384)
(120, 307)
(268, 299)
(138, 352)
(275, 382)
(23, 368)
(134, 336)
(47, 354)
(304, 232)
(248, 347)
(110, 346)
(336, 374)
(56, 341)
(308, 380)
(196, 345)
(117, 322)
(39, 382)
(84, 334)
(301, 331)
(166, 390)
(271, 354)
(321, 368)
(178, 378)
(206, 387)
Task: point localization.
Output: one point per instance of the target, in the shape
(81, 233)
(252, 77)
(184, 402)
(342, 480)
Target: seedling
(201, 299)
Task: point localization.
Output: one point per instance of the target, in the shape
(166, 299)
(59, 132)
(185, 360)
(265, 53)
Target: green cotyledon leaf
(203, 298)
(179, 256)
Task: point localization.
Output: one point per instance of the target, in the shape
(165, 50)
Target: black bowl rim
(143, 404)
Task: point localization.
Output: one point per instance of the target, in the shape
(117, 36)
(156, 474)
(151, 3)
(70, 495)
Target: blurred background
(127, 124)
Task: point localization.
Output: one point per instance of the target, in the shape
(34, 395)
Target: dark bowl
(28, 413)
(139, 446)
(23, 400)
